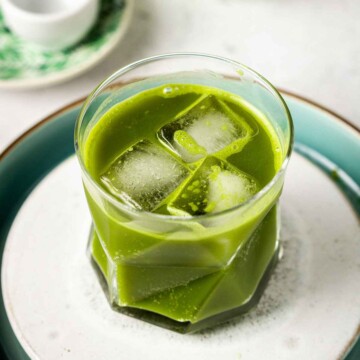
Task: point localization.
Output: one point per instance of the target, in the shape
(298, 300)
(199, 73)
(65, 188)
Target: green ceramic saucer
(53, 302)
(23, 65)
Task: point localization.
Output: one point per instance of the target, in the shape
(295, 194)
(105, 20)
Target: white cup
(52, 24)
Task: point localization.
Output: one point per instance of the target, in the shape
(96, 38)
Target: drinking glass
(185, 273)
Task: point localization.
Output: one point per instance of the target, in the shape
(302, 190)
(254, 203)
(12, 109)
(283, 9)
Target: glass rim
(106, 83)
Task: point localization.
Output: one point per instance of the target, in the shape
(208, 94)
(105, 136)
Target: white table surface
(311, 47)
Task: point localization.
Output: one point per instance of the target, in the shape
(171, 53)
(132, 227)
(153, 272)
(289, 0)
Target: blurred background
(309, 47)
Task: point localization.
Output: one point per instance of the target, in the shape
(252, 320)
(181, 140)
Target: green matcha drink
(177, 181)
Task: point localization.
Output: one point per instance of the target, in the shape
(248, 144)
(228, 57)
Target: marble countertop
(310, 47)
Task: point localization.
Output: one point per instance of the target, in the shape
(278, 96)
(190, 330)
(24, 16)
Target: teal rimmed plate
(23, 65)
(51, 303)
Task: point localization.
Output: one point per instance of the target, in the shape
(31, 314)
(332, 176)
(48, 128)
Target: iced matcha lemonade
(177, 181)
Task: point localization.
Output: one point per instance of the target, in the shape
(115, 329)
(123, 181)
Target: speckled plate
(23, 65)
(52, 306)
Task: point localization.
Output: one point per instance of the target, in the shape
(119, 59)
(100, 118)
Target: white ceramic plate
(57, 307)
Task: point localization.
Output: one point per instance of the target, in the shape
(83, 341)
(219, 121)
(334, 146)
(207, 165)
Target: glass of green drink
(183, 158)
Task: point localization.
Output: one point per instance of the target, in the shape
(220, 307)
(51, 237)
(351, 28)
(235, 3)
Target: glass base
(186, 327)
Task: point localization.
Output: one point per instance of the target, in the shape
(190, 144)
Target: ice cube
(206, 127)
(214, 187)
(228, 189)
(144, 175)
